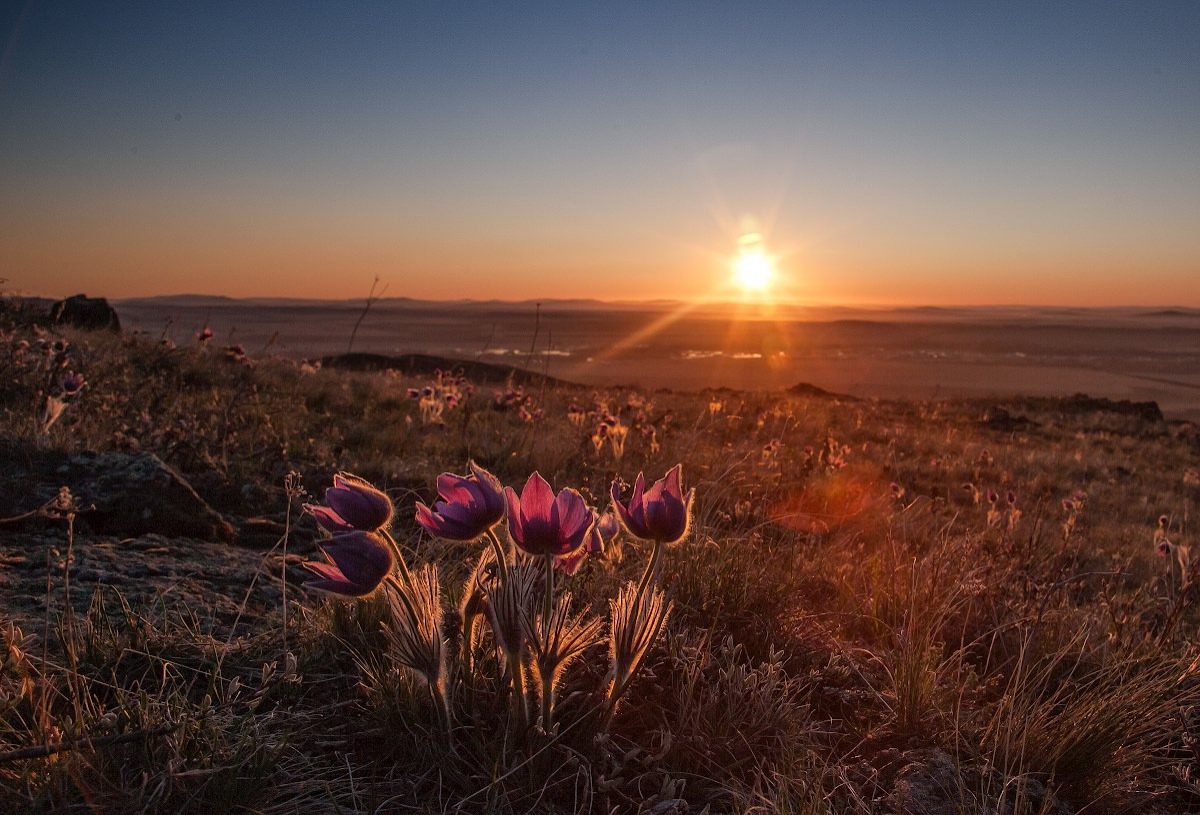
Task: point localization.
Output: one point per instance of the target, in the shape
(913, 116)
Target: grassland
(896, 607)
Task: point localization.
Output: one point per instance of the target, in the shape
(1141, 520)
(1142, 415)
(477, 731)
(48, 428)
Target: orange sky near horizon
(323, 266)
(924, 154)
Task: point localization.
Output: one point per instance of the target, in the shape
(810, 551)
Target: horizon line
(649, 303)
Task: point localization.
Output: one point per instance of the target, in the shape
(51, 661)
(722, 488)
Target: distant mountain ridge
(786, 311)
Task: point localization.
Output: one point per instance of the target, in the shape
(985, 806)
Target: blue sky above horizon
(966, 153)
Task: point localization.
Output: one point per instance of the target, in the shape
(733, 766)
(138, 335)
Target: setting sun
(752, 270)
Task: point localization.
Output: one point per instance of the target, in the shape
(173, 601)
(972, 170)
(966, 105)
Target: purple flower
(361, 560)
(73, 383)
(543, 525)
(603, 533)
(353, 505)
(471, 504)
(608, 526)
(661, 513)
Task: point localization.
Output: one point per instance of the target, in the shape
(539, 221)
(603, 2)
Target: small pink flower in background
(661, 513)
(608, 526)
(607, 529)
(204, 335)
(361, 560)
(73, 383)
(542, 524)
(354, 504)
(471, 504)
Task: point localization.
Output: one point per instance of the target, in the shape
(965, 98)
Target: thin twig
(43, 750)
(371, 298)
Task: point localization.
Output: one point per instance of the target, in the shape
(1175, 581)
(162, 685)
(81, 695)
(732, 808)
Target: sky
(966, 153)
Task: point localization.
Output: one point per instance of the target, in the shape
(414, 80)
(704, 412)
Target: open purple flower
(661, 513)
(471, 505)
(361, 560)
(354, 504)
(543, 525)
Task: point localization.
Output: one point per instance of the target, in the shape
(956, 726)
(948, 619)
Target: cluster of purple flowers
(446, 391)
(541, 524)
(546, 530)
(55, 361)
(516, 399)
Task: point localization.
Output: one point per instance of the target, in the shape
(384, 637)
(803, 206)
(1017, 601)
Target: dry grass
(836, 645)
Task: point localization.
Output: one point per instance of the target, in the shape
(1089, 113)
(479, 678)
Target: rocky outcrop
(125, 494)
(1000, 420)
(1082, 403)
(82, 311)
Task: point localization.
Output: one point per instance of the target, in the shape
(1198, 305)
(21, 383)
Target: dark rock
(1002, 421)
(932, 782)
(82, 311)
(813, 392)
(1082, 403)
(125, 494)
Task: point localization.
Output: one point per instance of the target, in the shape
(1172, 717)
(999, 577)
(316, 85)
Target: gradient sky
(940, 153)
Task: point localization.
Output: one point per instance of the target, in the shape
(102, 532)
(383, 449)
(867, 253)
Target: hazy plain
(1131, 353)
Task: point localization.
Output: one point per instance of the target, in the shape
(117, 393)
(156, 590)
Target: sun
(753, 271)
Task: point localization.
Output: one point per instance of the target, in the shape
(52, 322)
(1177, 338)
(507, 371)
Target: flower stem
(650, 576)
(516, 674)
(399, 553)
(547, 702)
(548, 600)
(498, 550)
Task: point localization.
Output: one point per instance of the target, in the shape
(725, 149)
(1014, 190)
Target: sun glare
(752, 269)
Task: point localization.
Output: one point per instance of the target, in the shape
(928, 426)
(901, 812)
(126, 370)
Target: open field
(1137, 354)
(927, 605)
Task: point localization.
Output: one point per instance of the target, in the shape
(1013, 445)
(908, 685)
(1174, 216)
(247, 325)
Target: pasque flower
(544, 525)
(354, 504)
(605, 532)
(661, 513)
(471, 504)
(361, 560)
(73, 383)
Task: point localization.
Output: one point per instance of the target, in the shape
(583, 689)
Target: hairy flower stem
(468, 656)
(399, 553)
(548, 600)
(520, 709)
(401, 591)
(650, 577)
(442, 710)
(547, 695)
(653, 570)
(498, 550)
